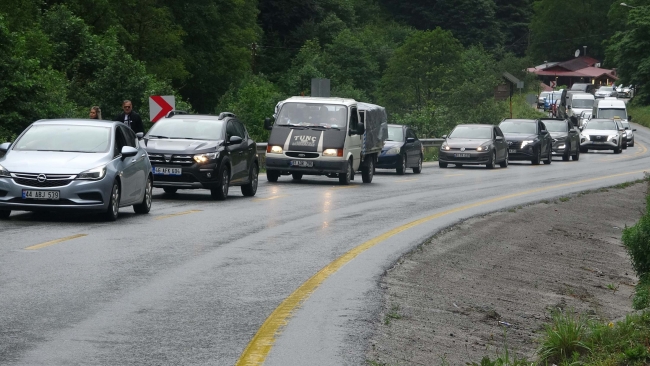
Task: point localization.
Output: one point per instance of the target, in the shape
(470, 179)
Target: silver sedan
(65, 164)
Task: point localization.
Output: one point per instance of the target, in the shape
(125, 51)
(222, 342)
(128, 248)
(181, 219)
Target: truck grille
(304, 155)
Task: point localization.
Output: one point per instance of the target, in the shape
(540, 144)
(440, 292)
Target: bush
(637, 242)
(564, 338)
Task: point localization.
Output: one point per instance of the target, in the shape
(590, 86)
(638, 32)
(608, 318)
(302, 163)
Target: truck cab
(335, 137)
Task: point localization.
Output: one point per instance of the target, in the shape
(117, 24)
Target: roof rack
(173, 113)
(223, 115)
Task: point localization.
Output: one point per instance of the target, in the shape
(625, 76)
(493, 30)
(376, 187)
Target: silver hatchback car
(70, 164)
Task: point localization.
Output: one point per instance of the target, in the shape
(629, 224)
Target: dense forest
(432, 63)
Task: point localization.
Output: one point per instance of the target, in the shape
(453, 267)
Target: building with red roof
(583, 69)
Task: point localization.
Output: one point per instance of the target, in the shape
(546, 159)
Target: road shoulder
(455, 298)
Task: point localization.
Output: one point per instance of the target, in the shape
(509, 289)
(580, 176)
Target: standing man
(130, 118)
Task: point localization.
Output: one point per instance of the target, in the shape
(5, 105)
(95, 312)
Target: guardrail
(261, 146)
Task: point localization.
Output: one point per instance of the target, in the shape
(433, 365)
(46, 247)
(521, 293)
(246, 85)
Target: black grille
(185, 178)
(180, 159)
(46, 184)
(91, 196)
(302, 155)
(514, 144)
(598, 138)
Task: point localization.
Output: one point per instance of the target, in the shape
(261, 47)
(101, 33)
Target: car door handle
(241, 152)
(133, 160)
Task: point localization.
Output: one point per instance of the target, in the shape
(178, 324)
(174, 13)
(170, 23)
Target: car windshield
(606, 89)
(471, 132)
(65, 138)
(582, 103)
(601, 125)
(612, 113)
(313, 115)
(556, 126)
(626, 125)
(195, 129)
(529, 127)
(395, 134)
(581, 87)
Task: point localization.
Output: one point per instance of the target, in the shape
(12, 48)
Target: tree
(628, 50)
(422, 70)
(514, 17)
(559, 27)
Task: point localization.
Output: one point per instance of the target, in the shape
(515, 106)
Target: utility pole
(253, 54)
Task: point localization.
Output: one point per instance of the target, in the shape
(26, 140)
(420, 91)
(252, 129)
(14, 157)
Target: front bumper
(598, 145)
(193, 176)
(82, 195)
(474, 158)
(559, 147)
(320, 166)
(388, 161)
(515, 152)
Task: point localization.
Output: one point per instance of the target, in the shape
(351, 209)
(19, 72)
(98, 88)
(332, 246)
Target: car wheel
(618, 150)
(4, 214)
(418, 170)
(538, 156)
(401, 165)
(272, 175)
(493, 161)
(549, 158)
(576, 157)
(567, 152)
(113, 208)
(250, 189)
(442, 165)
(504, 163)
(220, 192)
(296, 176)
(145, 206)
(345, 178)
(632, 143)
(170, 190)
(368, 170)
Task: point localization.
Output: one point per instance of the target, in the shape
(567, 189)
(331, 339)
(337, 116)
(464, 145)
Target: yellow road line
(260, 345)
(268, 198)
(57, 241)
(406, 180)
(177, 214)
(625, 156)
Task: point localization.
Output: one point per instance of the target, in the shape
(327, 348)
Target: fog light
(209, 175)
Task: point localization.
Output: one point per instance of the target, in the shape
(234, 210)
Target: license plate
(40, 195)
(461, 155)
(167, 171)
(302, 163)
(512, 151)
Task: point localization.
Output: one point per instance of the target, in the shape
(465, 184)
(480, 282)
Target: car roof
(583, 96)
(76, 121)
(195, 116)
(519, 120)
(611, 103)
(396, 125)
(602, 119)
(475, 125)
(321, 100)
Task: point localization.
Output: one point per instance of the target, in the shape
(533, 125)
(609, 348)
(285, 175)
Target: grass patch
(564, 199)
(640, 114)
(392, 315)
(564, 339)
(430, 154)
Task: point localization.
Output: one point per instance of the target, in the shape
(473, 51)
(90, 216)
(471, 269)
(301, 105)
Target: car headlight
(561, 146)
(528, 142)
(4, 172)
(333, 152)
(204, 158)
(393, 151)
(445, 147)
(93, 174)
(270, 149)
(611, 137)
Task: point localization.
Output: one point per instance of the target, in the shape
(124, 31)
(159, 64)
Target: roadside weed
(564, 199)
(613, 287)
(563, 338)
(503, 357)
(392, 314)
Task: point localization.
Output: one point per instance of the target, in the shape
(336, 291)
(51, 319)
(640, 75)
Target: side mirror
(235, 140)
(410, 140)
(633, 130)
(581, 128)
(139, 135)
(544, 132)
(268, 124)
(128, 151)
(568, 107)
(444, 136)
(5, 147)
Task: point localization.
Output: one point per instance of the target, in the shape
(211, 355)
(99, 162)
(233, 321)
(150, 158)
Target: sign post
(553, 84)
(160, 105)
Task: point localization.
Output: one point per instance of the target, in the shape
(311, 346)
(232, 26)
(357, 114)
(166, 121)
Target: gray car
(70, 164)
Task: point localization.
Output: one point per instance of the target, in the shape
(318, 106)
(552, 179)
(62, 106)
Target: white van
(610, 109)
(579, 103)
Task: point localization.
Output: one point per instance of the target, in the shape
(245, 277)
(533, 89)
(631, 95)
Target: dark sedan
(474, 144)
(401, 150)
(527, 139)
(565, 137)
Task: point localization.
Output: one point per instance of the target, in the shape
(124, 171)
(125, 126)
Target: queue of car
(102, 166)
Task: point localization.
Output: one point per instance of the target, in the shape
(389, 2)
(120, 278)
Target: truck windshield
(582, 103)
(612, 113)
(313, 115)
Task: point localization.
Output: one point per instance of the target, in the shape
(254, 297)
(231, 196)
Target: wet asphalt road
(191, 283)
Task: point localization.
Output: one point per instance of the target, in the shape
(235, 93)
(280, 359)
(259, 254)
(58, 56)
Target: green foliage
(564, 338)
(637, 242)
(640, 113)
(252, 100)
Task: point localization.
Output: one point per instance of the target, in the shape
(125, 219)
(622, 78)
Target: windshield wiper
(158, 137)
(185, 138)
(77, 151)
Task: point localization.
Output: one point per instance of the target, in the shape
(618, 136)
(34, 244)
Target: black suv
(527, 139)
(566, 138)
(211, 152)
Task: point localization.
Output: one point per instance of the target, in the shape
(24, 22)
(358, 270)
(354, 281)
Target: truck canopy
(376, 127)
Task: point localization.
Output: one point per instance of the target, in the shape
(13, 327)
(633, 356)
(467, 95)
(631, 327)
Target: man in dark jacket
(130, 118)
